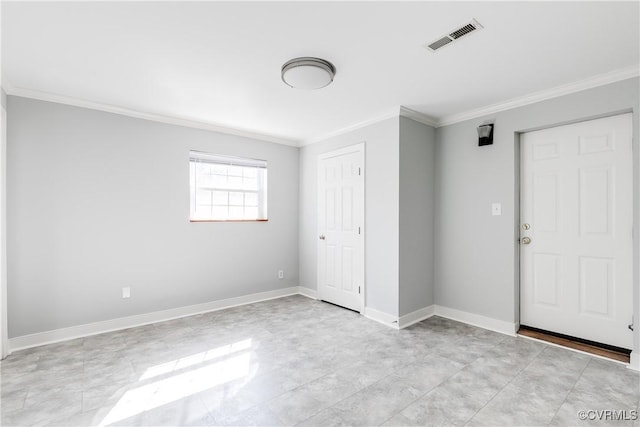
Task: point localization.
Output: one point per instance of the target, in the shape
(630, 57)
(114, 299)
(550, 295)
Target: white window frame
(203, 185)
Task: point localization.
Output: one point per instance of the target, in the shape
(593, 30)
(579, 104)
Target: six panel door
(577, 210)
(340, 221)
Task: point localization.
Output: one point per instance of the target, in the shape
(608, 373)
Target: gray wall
(381, 211)
(98, 201)
(417, 187)
(476, 253)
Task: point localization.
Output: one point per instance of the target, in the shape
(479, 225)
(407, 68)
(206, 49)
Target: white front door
(341, 227)
(576, 209)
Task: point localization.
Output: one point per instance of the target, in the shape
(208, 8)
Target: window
(227, 188)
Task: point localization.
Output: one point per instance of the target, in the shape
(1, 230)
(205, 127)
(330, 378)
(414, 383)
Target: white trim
(394, 112)
(6, 84)
(507, 328)
(178, 121)
(416, 316)
(65, 334)
(353, 148)
(381, 317)
(4, 340)
(388, 115)
(308, 292)
(418, 117)
(532, 98)
(588, 83)
(634, 362)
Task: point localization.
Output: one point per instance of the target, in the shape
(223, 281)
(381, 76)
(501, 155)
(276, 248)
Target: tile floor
(295, 361)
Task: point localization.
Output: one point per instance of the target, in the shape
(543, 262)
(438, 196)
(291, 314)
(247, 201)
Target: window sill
(228, 220)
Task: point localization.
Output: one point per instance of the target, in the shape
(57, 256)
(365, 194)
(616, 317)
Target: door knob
(526, 226)
(526, 240)
(322, 237)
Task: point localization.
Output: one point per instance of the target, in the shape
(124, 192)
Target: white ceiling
(219, 62)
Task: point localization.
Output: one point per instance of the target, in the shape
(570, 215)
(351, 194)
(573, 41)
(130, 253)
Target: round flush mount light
(308, 73)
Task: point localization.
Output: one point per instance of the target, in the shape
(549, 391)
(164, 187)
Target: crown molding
(418, 117)
(172, 120)
(394, 112)
(6, 85)
(588, 83)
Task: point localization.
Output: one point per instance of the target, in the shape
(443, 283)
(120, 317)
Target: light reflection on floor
(295, 361)
(220, 365)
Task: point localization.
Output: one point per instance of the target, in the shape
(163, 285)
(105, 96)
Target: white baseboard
(381, 317)
(308, 292)
(65, 334)
(507, 328)
(634, 361)
(416, 316)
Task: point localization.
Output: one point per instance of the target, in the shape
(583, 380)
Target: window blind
(198, 156)
(226, 188)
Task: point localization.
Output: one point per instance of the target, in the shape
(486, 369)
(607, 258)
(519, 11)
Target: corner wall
(381, 211)
(417, 187)
(477, 254)
(98, 201)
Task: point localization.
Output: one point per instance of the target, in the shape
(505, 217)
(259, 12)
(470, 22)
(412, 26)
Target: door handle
(322, 237)
(526, 240)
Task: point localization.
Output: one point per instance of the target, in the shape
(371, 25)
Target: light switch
(496, 209)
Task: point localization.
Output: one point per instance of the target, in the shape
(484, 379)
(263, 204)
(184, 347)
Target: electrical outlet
(280, 274)
(126, 292)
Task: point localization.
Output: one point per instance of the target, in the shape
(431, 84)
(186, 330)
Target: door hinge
(359, 172)
(358, 230)
(631, 325)
(358, 289)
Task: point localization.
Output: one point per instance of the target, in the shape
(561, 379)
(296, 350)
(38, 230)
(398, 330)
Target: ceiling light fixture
(308, 73)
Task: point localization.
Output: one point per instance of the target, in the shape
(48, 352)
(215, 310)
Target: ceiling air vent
(439, 43)
(454, 35)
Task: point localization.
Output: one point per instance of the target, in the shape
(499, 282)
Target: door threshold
(341, 306)
(595, 348)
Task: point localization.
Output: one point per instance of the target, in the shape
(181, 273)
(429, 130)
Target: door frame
(361, 149)
(4, 340)
(635, 351)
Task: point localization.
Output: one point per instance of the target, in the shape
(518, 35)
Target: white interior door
(576, 230)
(341, 227)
